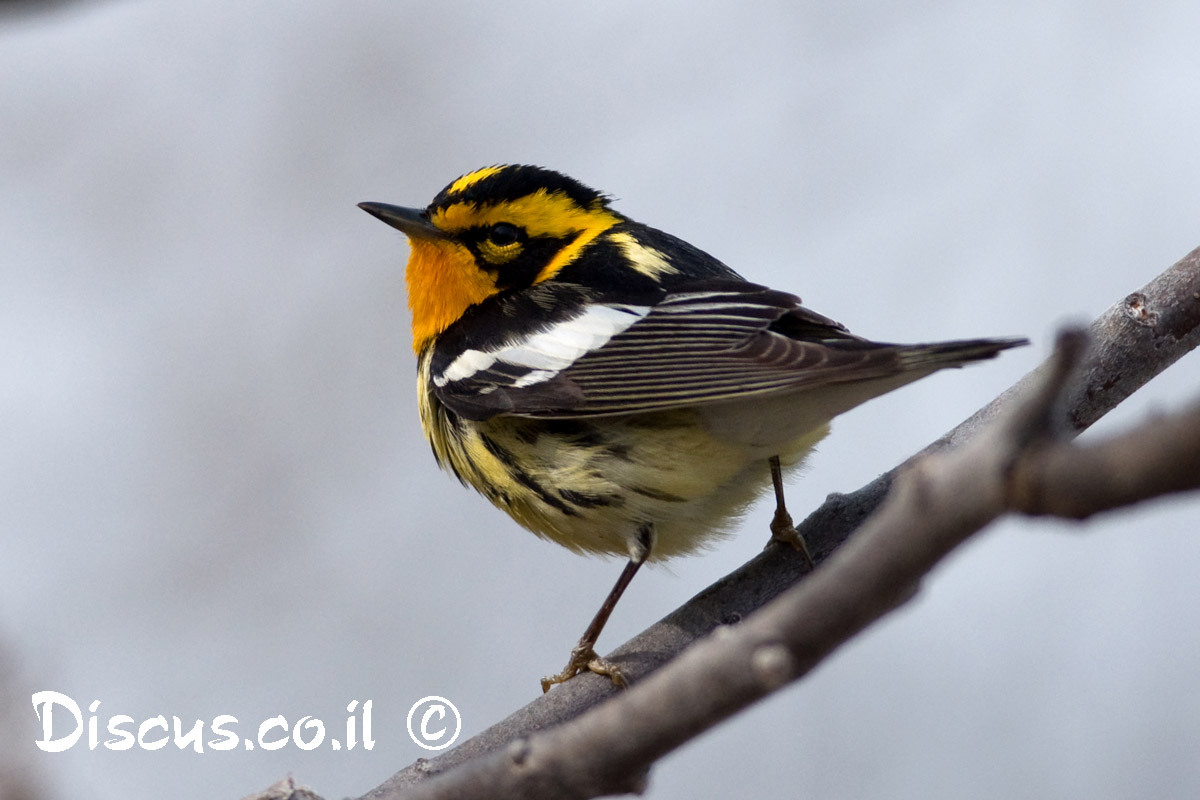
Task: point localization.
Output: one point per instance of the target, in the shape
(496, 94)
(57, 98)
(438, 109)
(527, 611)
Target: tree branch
(1159, 457)
(1133, 341)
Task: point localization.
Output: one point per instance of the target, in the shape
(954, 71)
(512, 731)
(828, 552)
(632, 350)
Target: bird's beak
(412, 221)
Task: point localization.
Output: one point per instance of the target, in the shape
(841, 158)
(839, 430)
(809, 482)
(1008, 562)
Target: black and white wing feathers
(722, 341)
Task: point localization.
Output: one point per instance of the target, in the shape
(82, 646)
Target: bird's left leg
(782, 529)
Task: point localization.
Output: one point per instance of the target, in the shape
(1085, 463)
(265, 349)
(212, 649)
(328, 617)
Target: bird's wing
(731, 340)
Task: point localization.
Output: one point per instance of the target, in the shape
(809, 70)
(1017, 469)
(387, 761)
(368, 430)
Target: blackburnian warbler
(612, 387)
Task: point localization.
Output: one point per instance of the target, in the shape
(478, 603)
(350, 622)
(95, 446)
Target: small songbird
(611, 387)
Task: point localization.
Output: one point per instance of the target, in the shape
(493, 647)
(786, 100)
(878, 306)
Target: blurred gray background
(214, 493)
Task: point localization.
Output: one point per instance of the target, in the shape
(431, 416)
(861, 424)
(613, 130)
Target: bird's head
(495, 229)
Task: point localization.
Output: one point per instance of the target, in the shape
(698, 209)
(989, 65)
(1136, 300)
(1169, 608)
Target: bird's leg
(782, 529)
(583, 656)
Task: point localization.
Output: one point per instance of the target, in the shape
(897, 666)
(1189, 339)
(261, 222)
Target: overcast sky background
(214, 493)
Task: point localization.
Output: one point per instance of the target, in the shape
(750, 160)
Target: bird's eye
(502, 234)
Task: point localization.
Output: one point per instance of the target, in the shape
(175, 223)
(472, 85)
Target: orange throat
(443, 282)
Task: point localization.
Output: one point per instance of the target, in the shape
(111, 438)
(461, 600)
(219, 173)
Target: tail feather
(938, 355)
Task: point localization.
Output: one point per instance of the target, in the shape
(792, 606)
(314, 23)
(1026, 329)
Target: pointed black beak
(412, 221)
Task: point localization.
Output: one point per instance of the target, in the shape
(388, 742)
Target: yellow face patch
(550, 214)
(540, 214)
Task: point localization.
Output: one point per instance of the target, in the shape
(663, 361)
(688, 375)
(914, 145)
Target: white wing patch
(466, 365)
(548, 352)
(536, 376)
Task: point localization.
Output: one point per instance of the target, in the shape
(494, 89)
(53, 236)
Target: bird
(613, 388)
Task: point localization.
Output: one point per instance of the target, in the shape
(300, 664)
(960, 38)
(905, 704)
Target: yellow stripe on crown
(472, 178)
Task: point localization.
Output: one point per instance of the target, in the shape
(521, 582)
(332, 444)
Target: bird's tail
(938, 355)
